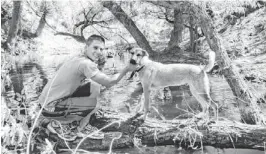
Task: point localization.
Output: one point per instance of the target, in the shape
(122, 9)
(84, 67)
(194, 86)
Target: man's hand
(131, 67)
(101, 62)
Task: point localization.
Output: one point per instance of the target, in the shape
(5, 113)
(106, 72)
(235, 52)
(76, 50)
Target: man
(69, 97)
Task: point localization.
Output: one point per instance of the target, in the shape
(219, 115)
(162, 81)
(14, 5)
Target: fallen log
(113, 123)
(192, 133)
(186, 133)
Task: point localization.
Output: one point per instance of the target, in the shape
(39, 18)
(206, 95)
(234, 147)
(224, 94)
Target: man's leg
(77, 108)
(95, 92)
(80, 102)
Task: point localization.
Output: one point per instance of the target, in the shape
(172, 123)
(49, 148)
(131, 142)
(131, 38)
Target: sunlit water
(124, 97)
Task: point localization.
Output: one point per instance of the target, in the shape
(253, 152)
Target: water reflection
(21, 72)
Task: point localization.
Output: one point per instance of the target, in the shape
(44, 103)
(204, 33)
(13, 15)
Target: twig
(40, 16)
(111, 145)
(231, 140)
(188, 104)
(99, 32)
(184, 110)
(89, 135)
(39, 114)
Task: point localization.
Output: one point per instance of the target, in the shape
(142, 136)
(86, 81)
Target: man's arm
(107, 81)
(91, 71)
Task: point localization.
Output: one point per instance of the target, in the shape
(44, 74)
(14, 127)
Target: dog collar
(139, 69)
(134, 72)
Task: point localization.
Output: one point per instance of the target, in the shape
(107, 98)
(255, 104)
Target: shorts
(80, 104)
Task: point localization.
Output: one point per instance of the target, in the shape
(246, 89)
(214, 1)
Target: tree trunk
(223, 134)
(191, 34)
(16, 17)
(184, 133)
(193, 38)
(41, 24)
(176, 34)
(236, 82)
(230, 72)
(129, 24)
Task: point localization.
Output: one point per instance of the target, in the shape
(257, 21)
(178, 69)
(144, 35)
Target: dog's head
(137, 55)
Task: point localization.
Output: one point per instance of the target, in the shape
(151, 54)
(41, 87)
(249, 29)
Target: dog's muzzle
(132, 61)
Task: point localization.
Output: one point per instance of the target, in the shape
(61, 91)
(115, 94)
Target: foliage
(18, 107)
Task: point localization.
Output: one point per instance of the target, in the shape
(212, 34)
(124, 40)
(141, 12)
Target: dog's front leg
(140, 106)
(147, 90)
(146, 83)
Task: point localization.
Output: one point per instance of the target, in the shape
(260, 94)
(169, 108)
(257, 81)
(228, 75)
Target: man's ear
(145, 53)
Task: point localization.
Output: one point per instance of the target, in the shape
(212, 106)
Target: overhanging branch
(129, 24)
(78, 38)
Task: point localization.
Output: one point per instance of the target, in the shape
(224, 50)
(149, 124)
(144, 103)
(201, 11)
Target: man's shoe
(63, 131)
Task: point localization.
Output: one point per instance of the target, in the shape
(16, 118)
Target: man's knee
(95, 89)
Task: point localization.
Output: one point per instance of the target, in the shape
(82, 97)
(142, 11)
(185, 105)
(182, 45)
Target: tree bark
(129, 24)
(184, 133)
(176, 34)
(16, 17)
(223, 134)
(193, 35)
(236, 82)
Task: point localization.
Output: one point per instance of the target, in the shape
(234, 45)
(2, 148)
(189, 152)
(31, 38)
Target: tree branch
(78, 38)
(129, 24)
(41, 16)
(100, 33)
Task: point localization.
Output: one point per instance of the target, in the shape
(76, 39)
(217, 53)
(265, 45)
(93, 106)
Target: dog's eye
(132, 53)
(138, 55)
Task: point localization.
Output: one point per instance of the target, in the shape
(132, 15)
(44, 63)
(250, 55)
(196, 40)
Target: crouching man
(71, 95)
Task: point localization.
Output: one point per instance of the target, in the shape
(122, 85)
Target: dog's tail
(210, 65)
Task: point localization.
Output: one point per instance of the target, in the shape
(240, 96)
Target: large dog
(154, 74)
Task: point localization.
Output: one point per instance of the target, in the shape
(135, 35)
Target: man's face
(95, 50)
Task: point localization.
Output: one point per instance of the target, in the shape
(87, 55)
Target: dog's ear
(129, 48)
(145, 53)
